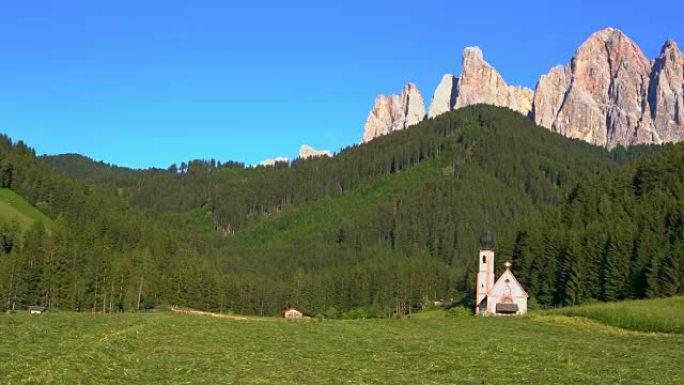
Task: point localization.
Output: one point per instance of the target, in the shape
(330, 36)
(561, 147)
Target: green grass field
(169, 348)
(13, 206)
(665, 315)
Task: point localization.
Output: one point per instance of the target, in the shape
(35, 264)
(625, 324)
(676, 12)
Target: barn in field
(505, 296)
(292, 313)
(36, 309)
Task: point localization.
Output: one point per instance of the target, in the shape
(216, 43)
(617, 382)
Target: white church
(506, 296)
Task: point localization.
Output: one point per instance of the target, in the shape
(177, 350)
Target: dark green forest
(379, 229)
(612, 238)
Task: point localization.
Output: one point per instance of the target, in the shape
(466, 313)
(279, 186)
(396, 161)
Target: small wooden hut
(36, 309)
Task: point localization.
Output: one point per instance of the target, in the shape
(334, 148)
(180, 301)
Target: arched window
(484, 259)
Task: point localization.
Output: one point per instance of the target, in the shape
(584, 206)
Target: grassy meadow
(170, 348)
(14, 207)
(664, 315)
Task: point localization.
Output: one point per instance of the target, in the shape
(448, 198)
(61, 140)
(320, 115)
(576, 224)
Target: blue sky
(150, 83)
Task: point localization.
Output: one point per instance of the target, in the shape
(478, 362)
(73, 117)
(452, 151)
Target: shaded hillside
(614, 237)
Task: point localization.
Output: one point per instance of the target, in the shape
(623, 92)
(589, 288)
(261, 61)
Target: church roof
(508, 274)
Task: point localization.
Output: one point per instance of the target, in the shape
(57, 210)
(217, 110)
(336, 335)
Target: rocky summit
(480, 83)
(445, 95)
(306, 151)
(604, 93)
(609, 94)
(666, 94)
(272, 162)
(395, 112)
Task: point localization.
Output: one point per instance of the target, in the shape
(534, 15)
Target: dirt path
(207, 314)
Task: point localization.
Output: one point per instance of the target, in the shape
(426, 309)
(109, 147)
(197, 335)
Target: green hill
(83, 168)
(615, 237)
(380, 228)
(14, 208)
(98, 239)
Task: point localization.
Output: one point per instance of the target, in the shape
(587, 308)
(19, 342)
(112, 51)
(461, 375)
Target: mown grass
(167, 348)
(14, 207)
(664, 315)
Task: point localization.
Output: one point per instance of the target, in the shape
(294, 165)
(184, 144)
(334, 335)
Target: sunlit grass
(168, 348)
(14, 207)
(664, 315)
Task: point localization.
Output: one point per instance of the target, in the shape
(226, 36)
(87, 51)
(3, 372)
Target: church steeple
(485, 274)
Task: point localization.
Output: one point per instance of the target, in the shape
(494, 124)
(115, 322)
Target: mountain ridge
(609, 94)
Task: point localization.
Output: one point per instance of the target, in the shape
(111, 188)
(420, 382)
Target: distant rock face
(610, 94)
(666, 96)
(522, 97)
(306, 151)
(549, 95)
(603, 96)
(395, 112)
(444, 98)
(481, 83)
(272, 162)
(413, 105)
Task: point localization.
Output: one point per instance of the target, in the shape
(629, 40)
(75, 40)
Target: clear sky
(150, 83)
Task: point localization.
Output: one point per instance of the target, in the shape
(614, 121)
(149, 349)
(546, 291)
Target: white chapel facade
(505, 296)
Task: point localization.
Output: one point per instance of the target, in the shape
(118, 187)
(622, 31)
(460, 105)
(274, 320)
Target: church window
(484, 259)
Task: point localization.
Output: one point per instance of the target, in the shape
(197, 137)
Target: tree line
(379, 229)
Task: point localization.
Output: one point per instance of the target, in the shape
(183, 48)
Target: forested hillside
(512, 149)
(614, 237)
(83, 168)
(100, 254)
(381, 227)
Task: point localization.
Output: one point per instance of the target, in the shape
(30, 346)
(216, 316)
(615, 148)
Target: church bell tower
(485, 274)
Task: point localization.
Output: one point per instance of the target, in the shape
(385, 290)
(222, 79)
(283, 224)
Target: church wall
(507, 288)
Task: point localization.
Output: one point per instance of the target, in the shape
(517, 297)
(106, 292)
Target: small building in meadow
(36, 309)
(292, 313)
(506, 296)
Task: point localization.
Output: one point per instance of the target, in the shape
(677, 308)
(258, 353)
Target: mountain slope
(615, 237)
(84, 168)
(101, 253)
(493, 170)
(15, 208)
(381, 226)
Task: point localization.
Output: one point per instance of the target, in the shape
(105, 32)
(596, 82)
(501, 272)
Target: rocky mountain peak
(395, 112)
(272, 162)
(604, 93)
(666, 94)
(481, 83)
(607, 34)
(609, 94)
(473, 54)
(412, 104)
(670, 51)
(444, 98)
(306, 151)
